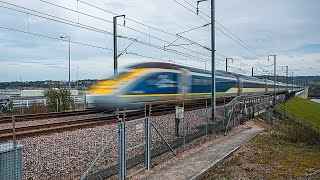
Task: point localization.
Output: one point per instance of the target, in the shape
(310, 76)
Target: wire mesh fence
(30, 105)
(125, 148)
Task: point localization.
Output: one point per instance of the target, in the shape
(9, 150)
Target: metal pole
(14, 129)
(115, 55)
(206, 116)
(227, 64)
(69, 63)
(115, 45)
(213, 74)
(252, 71)
(275, 71)
(292, 81)
(77, 77)
(148, 138)
(287, 78)
(274, 74)
(122, 147)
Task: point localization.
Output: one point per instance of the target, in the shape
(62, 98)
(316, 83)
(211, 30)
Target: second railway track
(47, 128)
(31, 117)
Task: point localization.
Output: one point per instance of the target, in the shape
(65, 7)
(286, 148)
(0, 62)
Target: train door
(266, 86)
(184, 82)
(240, 85)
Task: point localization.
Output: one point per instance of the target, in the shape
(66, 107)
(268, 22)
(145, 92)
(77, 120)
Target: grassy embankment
(286, 150)
(307, 111)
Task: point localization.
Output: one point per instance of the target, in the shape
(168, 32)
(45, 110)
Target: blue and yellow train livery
(149, 82)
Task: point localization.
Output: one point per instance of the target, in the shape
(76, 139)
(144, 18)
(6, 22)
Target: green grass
(308, 110)
(268, 156)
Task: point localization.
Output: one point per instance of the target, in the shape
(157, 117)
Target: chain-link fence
(293, 127)
(21, 106)
(138, 141)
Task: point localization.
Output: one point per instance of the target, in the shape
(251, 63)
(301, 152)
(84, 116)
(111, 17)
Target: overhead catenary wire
(55, 38)
(72, 23)
(223, 28)
(143, 24)
(139, 23)
(248, 48)
(189, 30)
(133, 29)
(84, 26)
(90, 45)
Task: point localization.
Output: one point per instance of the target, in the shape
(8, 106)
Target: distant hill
(306, 79)
(81, 84)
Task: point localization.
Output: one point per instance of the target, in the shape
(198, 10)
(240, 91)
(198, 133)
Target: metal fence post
(122, 147)
(148, 139)
(284, 109)
(183, 128)
(224, 112)
(14, 128)
(57, 105)
(15, 147)
(206, 116)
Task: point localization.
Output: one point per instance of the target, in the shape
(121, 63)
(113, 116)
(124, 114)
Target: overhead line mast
(213, 68)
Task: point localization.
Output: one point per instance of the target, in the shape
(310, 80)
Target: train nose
(90, 101)
(105, 102)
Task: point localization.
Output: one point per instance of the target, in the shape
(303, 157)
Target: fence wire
(95, 153)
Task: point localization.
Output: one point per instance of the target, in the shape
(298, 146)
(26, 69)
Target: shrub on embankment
(292, 131)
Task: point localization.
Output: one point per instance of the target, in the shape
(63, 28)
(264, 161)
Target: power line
(151, 27)
(55, 38)
(79, 25)
(102, 19)
(225, 29)
(246, 46)
(178, 33)
(72, 23)
(205, 25)
(88, 45)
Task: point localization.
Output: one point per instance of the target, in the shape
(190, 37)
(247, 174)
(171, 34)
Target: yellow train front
(143, 83)
(136, 85)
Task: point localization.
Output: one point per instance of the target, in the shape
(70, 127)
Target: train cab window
(157, 83)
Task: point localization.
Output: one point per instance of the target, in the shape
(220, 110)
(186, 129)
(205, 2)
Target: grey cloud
(270, 27)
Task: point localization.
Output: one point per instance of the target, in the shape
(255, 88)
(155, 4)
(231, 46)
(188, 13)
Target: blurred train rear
(144, 83)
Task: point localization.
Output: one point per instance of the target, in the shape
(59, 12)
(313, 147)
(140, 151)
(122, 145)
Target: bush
(58, 99)
(36, 108)
(293, 131)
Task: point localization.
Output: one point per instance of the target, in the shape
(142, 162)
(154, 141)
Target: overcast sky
(287, 28)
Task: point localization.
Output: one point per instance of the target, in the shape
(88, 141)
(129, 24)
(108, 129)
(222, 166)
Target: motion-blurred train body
(148, 82)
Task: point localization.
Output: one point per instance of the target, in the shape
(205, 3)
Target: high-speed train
(148, 82)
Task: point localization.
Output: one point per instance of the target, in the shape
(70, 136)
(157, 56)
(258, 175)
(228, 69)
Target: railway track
(47, 128)
(29, 131)
(31, 117)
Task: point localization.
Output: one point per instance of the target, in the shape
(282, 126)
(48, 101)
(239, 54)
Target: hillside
(306, 109)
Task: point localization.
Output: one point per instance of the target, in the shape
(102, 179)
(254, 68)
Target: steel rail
(31, 117)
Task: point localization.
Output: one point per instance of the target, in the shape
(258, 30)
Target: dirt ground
(269, 157)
